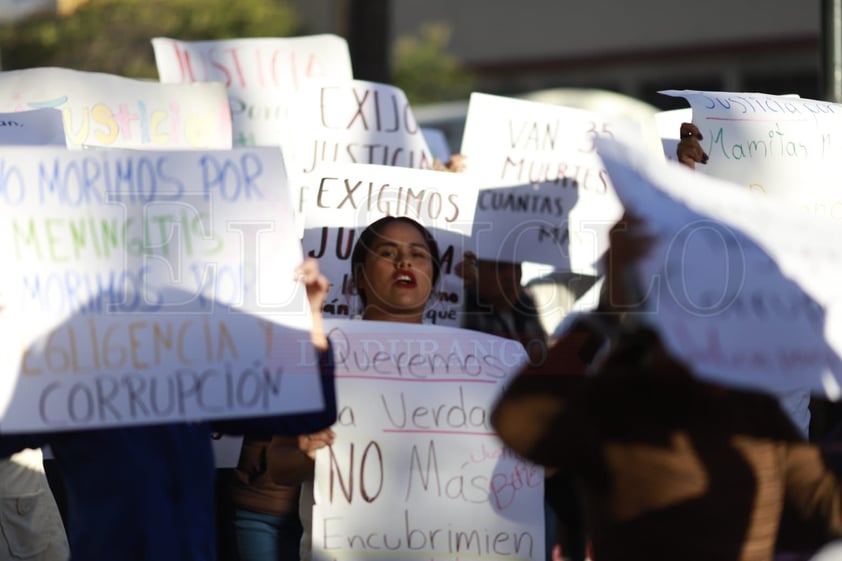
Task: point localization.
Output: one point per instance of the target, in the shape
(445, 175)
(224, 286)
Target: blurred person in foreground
(796, 403)
(671, 466)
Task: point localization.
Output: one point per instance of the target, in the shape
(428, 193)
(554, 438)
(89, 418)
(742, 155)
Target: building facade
(635, 48)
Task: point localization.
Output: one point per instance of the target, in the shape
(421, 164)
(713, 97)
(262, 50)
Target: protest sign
(13, 10)
(781, 146)
(354, 121)
(259, 73)
(108, 111)
(338, 201)
(739, 287)
(149, 286)
(416, 469)
(37, 127)
(545, 195)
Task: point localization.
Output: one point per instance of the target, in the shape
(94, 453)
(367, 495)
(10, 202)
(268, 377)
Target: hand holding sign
(689, 150)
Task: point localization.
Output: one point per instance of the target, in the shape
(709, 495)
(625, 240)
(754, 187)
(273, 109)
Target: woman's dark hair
(373, 232)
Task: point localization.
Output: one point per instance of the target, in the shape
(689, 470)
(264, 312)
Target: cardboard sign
(416, 468)
(260, 74)
(38, 127)
(107, 111)
(339, 200)
(780, 146)
(738, 286)
(148, 287)
(546, 196)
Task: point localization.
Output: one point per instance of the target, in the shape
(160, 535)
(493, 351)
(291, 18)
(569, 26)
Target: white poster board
(108, 111)
(780, 146)
(741, 288)
(354, 121)
(259, 73)
(416, 468)
(545, 196)
(147, 287)
(37, 127)
(339, 200)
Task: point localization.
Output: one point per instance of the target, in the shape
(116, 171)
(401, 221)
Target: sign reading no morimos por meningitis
(148, 287)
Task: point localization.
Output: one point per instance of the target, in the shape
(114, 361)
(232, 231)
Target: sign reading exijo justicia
(416, 471)
(355, 121)
(260, 75)
(143, 287)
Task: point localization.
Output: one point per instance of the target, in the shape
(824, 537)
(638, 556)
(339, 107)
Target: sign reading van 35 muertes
(260, 74)
(108, 111)
(545, 195)
(416, 471)
(338, 201)
(148, 287)
(780, 146)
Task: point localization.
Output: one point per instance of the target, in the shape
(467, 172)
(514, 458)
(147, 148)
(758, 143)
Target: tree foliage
(113, 36)
(424, 70)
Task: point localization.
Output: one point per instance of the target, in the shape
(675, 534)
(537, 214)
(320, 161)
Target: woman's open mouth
(404, 279)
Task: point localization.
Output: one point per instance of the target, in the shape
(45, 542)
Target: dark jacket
(671, 467)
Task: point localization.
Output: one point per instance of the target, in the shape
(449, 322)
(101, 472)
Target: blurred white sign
(260, 75)
(739, 287)
(143, 287)
(109, 111)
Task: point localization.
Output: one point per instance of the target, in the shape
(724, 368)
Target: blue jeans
(265, 537)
